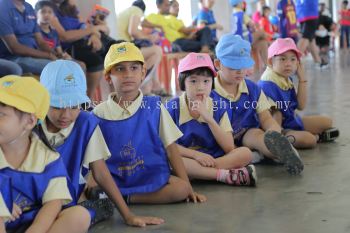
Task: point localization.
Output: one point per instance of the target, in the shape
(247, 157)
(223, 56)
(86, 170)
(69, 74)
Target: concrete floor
(317, 201)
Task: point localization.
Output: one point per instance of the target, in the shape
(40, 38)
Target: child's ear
(217, 64)
(31, 121)
(108, 77)
(269, 62)
(144, 72)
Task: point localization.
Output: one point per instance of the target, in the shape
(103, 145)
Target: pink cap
(280, 46)
(196, 60)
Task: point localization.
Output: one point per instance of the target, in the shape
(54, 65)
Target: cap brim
(69, 101)
(299, 54)
(17, 102)
(238, 64)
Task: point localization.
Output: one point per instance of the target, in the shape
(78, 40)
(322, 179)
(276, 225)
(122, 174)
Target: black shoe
(329, 135)
(102, 208)
(280, 147)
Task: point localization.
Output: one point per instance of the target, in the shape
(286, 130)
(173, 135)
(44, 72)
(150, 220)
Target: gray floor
(317, 201)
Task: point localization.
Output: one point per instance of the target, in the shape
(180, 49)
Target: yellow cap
(121, 52)
(26, 94)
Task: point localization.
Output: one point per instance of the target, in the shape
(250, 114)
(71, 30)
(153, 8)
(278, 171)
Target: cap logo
(242, 52)
(69, 80)
(121, 49)
(7, 84)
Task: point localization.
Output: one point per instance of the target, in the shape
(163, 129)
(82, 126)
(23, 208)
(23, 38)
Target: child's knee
(81, 217)
(181, 190)
(245, 155)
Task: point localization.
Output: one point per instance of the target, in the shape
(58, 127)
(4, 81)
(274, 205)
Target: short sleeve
(202, 17)
(246, 19)
(225, 123)
(168, 131)
(96, 149)
(57, 190)
(5, 23)
(263, 103)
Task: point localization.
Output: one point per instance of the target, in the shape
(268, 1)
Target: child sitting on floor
(140, 135)
(284, 61)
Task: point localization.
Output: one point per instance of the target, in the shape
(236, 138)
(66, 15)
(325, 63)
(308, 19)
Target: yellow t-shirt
(110, 110)
(4, 212)
(57, 188)
(123, 20)
(170, 25)
(262, 105)
(185, 115)
(96, 148)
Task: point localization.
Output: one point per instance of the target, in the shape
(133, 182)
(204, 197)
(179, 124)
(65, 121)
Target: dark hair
(69, 10)
(345, 2)
(198, 71)
(159, 2)
(41, 4)
(265, 8)
(140, 4)
(172, 2)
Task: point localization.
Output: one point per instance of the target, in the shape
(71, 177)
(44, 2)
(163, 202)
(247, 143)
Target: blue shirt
(22, 24)
(51, 38)
(207, 16)
(306, 9)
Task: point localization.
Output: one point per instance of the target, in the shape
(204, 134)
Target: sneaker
(279, 146)
(100, 209)
(245, 176)
(324, 65)
(329, 135)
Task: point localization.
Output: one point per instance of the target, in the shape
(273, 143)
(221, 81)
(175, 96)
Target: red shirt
(345, 17)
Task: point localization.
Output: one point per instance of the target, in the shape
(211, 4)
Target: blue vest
(139, 162)
(72, 151)
(290, 119)
(28, 189)
(196, 135)
(241, 113)
(5, 190)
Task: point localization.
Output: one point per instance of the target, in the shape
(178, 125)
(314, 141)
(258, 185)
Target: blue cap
(66, 83)
(234, 52)
(235, 2)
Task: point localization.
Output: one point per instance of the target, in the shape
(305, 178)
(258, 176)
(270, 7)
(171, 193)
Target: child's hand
(66, 56)
(205, 160)
(301, 72)
(142, 221)
(200, 106)
(16, 213)
(196, 197)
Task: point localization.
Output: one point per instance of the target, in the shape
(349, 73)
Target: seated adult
(128, 22)
(9, 67)
(21, 40)
(82, 41)
(174, 29)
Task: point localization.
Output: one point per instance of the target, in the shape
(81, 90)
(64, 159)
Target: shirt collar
(242, 88)
(280, 81)
(237, 9)
(117, 112)
(63, 132)
(185, 115)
